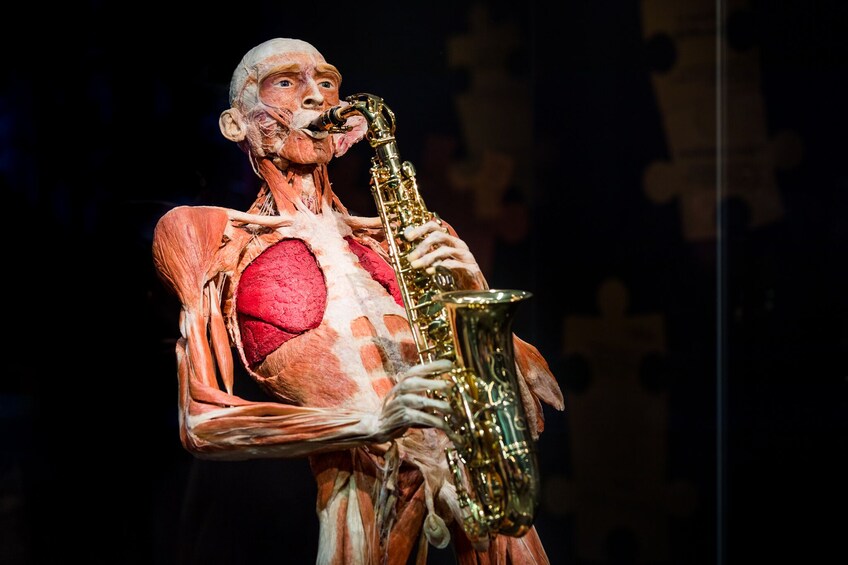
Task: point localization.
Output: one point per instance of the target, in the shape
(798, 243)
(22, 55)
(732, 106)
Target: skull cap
(259, 59)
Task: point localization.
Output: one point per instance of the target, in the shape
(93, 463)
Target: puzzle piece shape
(452, 205)
(687, 95)
(499, 142)
(488, 180)
(619, 436)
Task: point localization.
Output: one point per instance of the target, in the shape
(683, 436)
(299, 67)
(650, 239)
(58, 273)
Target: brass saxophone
(493, 461)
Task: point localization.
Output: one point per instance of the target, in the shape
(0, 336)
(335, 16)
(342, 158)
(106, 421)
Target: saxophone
(493, 461)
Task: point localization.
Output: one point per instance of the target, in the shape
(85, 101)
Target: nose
(312, 97)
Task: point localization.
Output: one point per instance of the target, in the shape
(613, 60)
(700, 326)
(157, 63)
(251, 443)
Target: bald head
(263, 59)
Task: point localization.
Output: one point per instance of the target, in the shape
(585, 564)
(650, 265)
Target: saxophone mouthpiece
(329, 120)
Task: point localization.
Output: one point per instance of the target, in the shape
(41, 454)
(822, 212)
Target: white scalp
(259, 60)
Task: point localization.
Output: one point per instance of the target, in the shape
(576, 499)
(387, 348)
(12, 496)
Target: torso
(317, 316)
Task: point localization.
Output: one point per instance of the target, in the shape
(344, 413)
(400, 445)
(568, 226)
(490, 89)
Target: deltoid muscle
(492, 459)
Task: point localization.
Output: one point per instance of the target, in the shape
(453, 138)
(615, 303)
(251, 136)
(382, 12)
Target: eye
(326, 84)
(283, 83)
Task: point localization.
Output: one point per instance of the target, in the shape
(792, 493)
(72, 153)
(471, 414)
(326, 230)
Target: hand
(437, 247)
(407, 405)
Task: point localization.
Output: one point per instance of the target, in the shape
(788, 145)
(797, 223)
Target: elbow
(196, 445)
(190, 441)
(199, 446)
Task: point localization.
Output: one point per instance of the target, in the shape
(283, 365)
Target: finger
(414, 232)
(420, 419)
(398, 417)
(441, 254)
(419, 385)
(425, 403)
(453, 266)
(437, 241)
(436, 237)
(435, 367)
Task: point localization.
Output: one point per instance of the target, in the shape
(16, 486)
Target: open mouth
(302, 120)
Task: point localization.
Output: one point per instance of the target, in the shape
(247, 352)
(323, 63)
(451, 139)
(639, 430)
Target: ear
(344, 141)
(232, 125)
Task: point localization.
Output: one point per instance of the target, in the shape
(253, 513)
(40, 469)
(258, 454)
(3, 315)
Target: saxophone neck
(333, 120)
(380, 118)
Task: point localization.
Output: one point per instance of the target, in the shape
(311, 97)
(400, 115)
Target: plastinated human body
(300, 292)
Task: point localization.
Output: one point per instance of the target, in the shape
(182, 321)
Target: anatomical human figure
(300, 293)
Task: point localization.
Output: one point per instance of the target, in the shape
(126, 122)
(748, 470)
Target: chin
(306, 151)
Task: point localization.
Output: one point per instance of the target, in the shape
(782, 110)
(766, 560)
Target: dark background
(109, 118)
